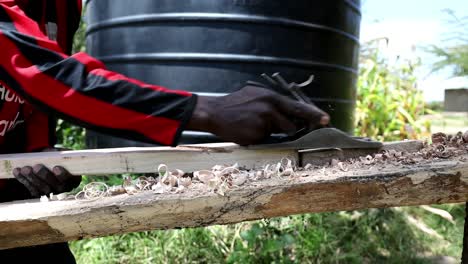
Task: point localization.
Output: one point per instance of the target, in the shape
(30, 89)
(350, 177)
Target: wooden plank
(144, 160)
(429, 182)
(187, 158)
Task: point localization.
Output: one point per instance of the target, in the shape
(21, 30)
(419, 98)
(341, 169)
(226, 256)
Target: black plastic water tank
(212, 47)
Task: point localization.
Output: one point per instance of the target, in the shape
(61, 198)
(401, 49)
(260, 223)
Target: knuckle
(16, 171)
(265, 111)
(296, 109)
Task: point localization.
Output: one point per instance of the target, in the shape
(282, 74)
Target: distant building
(456, 100)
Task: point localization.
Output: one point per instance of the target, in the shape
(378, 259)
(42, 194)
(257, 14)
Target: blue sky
(410, 25)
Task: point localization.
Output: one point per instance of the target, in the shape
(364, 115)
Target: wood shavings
(62, 196)
(259, 175)
(44, 199)
(240, 178)
(186, 182)
(115, 190)
(160, 188)
(180, 189)
(342, 166)
(334, 162)
(443, 147)
(439, 138)
(204, 176)
(53, 197)
(93, 191)
(221, 179)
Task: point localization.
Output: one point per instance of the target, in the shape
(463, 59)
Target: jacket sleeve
(78, 88)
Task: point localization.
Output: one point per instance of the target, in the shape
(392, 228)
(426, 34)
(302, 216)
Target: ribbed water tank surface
(212, 47)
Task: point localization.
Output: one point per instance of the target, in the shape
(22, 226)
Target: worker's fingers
(61, 174)
(68, 180)
(310, 113)
(37, 182)
(25, 182)
(47, 176)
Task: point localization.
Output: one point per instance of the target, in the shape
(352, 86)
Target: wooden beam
(429, 182)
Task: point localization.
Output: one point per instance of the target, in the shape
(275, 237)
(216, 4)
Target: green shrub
(389, 105)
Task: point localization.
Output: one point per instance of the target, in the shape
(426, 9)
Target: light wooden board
(144, 160)
(33, 223)
(187, 158)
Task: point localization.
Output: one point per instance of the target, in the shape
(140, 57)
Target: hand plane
(306, 139)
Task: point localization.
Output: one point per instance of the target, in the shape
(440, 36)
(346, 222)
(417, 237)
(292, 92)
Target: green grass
(368, 236)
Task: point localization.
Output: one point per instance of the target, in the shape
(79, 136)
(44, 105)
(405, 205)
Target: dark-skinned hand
(39, 180)
(253, 113)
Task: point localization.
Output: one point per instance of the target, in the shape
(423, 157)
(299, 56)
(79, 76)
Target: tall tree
(455, 54)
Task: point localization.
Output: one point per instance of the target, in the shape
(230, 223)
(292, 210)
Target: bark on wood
(32, 223)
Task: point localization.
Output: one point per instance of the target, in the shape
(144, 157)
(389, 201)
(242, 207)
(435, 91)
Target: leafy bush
(69, 136)
(389, 105)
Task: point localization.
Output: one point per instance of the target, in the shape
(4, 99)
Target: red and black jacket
(78, 87)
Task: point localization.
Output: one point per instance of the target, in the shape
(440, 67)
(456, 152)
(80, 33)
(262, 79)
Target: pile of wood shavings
(443, 147)
(221, 179)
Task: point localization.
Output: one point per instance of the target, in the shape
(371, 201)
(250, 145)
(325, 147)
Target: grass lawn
(398, 235)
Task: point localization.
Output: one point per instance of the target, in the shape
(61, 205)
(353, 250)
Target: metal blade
(324, 138)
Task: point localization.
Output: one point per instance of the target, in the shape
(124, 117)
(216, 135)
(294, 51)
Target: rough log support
(430, 182)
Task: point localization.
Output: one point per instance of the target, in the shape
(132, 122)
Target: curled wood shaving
(342, 166)
(93, 191)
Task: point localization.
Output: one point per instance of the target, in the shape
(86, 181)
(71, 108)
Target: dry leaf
(442, 213)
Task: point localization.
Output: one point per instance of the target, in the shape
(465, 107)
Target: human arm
(80, 89)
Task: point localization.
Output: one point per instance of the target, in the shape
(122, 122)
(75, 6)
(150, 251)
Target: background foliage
(455, 54)
(389, 107)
